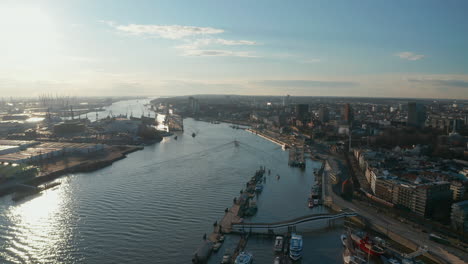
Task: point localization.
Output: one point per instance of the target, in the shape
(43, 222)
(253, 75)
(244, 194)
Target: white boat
(295, 247)
(217, 246)
(244, 258)
(278, 247)
(226, 258)
(349, 258)
(277, 260)
(344, 239)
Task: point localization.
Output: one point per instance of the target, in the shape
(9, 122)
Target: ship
(193, 134)
(350, 258)
(295, 247)
(366, 244)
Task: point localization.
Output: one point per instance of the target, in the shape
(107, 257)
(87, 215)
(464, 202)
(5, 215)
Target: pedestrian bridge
(304, 223)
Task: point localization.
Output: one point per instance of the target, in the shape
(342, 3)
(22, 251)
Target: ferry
(244, 258)
(278, 247)
(295, 247)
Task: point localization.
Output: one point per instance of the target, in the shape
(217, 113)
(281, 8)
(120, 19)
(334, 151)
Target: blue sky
(318, 48)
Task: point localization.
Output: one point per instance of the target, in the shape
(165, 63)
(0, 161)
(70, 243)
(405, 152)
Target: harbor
(88, 202)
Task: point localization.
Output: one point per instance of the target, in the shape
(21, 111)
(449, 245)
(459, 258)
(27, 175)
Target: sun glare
(28, 35)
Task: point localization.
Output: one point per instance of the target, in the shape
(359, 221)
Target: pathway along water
(155, 205)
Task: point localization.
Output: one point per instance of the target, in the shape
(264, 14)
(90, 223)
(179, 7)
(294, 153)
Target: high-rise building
(302, 112)
(193, 105)
(323, 114)
(347, 113)
(416, 115)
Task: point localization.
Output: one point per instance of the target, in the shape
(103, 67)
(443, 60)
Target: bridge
(303, 223)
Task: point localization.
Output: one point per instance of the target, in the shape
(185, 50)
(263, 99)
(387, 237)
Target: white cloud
(198, 48)
(163, 31)
(217, 53)
(407, 55)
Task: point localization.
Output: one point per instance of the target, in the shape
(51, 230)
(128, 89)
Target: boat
(277, 260)
(393, 261)
(344, 239)
(216, 246)
(311, 204)
(366, 244)
(295, 247)
(349, 258)
(226, 258)
(316, 201)
(175, 137)
(258, 187)
(193, 134)
(244, 258)
(278, 247)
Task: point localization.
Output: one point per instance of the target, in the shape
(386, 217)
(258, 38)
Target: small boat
(344, 238)
(244, 258)
(221, 238)
(316, 201)
(349, 258)
(295, 247)
(258, 187)
(226, 258)
(193, 134)
(278, 176)
(216, 246)
(278, 247)
(311, 204)
(175, 137)
(277, 260)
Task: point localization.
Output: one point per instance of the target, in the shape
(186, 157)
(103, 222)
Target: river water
(155, 205)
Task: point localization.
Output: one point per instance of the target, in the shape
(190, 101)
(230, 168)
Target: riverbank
(54, 169)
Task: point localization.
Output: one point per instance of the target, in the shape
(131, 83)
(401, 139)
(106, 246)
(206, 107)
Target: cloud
(406, 55)
(195, 48)
(163, 31)
(198, 48)
(217, 53)
(442, 82)
(303, 83)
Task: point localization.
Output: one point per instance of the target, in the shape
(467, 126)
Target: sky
(373, 48)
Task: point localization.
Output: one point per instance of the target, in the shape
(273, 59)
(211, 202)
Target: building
(416, 115)
(323, 114)
(193, 105)
(302, 112)
(459, 216)
(458, 190)
(347, 113)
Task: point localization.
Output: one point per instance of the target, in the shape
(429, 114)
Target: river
(155, 205)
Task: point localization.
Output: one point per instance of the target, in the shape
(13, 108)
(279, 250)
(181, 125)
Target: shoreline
(114, 153)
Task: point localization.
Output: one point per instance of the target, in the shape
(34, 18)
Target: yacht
(244, 258)
(295, 247)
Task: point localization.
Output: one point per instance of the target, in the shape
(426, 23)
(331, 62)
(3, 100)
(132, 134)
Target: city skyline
(374, 49)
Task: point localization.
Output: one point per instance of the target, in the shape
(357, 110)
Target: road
(450, 254)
